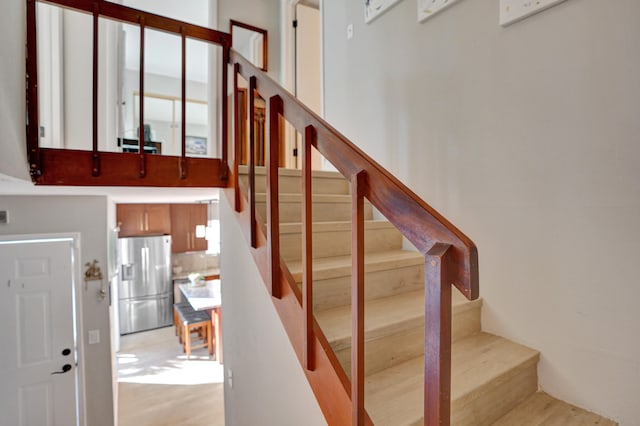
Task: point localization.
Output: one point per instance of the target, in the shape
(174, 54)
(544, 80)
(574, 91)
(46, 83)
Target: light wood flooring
(158, 386)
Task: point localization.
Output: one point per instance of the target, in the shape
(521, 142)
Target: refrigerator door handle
(145, 263)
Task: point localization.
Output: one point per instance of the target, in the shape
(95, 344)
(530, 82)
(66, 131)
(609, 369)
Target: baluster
(252, 161)
(95, 155)
(437, 335)
(307, 248)
(273, 213)
(224, 169)
(183, 109)
(357, 298)
(236, 136)
(143, 170)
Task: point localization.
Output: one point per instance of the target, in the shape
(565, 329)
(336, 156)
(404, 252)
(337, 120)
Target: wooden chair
(196, 321)
(184, 307)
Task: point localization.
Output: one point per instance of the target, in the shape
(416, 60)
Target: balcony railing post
(95, 155)
(273, 212)
(437, 335)
(143, 168)
(357, 298)
(33, 124)
(183, 107)
(307, 248)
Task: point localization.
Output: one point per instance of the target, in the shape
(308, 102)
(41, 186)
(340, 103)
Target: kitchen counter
(207, 298)
(206, 273)
(203, 297)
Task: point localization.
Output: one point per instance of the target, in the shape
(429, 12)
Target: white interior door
(38, 376)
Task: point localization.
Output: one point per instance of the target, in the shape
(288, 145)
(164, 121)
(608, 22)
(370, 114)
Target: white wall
(269, 385)
(526, 137)
(87, 215)
(13, 161)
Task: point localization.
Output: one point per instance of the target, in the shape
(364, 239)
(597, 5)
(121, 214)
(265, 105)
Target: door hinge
(295, 23)
(295, 152)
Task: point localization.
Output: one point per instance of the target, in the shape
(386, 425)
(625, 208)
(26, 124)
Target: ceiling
(11, 186)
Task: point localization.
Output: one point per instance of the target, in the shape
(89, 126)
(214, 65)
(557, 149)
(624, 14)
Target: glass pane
(162, 87)
(109, 78)
(250, 44)
(128, 86)
(50, 76)
(65, 77)
(201, 128)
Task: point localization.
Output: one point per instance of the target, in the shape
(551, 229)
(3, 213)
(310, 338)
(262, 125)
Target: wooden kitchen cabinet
(184, 219)
(137, 220)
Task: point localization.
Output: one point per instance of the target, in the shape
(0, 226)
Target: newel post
(437, 335)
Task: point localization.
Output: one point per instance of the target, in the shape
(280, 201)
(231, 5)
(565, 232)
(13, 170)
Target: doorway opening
(303, 69)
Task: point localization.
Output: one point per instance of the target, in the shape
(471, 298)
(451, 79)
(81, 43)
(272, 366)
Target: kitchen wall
(88, 216)
(268, 386)
(526, 137)
(194, 261)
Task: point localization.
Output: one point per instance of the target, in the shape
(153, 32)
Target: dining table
(207, 297)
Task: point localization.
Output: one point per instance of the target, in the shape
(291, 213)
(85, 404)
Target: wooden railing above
(54, 166)
(451, 259)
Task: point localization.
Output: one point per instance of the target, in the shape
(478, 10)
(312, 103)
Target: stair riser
(465, 323)
(338, 243)
(387, 351)
(293, 184)
(496, 398)
(333, 292)
(322, 212)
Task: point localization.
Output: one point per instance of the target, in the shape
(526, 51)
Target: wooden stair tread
(395, 396)
(479, 359)
(540, 409)
(487, 370)
(296, 227)
(383, 316)
(287, 197)
(340, 266)
(262, 170)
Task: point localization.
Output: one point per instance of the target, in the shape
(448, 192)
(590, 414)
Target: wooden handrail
(420, 223)
(451, 258)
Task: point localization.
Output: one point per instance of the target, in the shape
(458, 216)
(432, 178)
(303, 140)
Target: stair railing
(451, 258)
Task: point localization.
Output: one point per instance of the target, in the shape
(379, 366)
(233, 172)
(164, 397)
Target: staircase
(493, 380)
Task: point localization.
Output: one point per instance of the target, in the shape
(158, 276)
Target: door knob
(65, 368)
(66, 352)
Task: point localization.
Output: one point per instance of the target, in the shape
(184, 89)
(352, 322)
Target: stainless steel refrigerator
(145, 291)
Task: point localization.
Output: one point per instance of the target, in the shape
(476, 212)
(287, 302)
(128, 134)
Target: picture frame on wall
(375, 8)
(196, 145)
